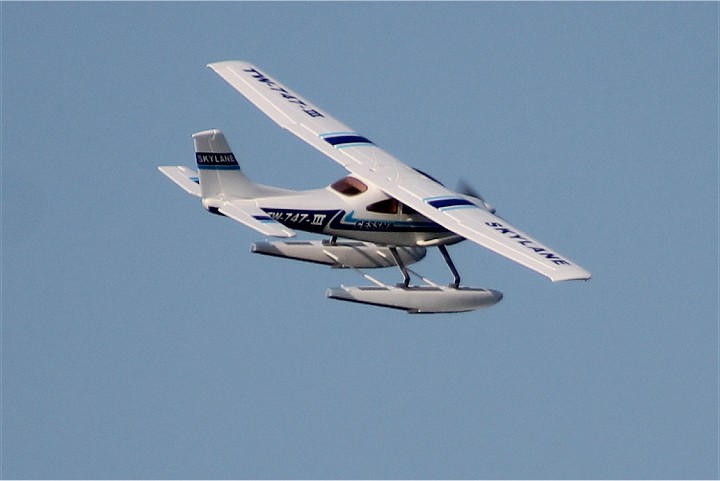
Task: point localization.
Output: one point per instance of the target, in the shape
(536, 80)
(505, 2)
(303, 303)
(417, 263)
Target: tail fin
(218, 168)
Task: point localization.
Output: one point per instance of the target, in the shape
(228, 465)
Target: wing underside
(362, 157)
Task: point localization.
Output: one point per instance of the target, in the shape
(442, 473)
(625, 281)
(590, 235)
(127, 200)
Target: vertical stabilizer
(218, 168)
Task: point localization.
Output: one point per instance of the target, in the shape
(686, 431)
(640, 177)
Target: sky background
(142, 339)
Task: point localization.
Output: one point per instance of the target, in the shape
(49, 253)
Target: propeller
(465, 188)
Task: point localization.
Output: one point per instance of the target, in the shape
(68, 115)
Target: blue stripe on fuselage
(350, 222)
(318, 220)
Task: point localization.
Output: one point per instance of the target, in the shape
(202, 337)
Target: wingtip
(220, 63)
(583, 276)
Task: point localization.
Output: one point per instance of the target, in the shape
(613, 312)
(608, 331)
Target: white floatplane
(389, 212)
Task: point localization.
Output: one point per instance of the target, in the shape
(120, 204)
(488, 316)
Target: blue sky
(142, 339)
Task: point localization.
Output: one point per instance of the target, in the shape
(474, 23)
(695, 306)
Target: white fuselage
(366, 214)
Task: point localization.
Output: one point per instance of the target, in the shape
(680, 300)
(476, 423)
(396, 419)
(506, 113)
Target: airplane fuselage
(370, 216)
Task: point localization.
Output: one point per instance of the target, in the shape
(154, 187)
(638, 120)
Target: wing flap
(248, 213)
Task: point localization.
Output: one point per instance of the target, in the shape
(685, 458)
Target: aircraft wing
(363, 158)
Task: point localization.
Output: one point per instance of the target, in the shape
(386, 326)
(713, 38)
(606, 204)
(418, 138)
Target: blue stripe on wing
(345, 139)
(447, 203)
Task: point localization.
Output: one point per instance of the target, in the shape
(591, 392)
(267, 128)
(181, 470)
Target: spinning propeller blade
(464, 187)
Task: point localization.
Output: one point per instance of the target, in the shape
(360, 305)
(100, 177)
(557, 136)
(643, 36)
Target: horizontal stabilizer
(248, 213)
(184, 177)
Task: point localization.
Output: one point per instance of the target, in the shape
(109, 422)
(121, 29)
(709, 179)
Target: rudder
(218, 168)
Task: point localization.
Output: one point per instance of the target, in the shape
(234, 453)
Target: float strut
(401, 266)
(449, 262)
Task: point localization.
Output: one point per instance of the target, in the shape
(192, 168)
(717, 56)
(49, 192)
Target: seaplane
(383, 213)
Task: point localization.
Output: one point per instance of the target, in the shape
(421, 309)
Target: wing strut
(406, 275)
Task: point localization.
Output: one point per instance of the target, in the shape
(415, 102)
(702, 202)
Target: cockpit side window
(349, 186)
(387, 206)
(406, 209)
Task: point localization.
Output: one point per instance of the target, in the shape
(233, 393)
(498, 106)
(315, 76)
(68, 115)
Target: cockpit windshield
(349, 186)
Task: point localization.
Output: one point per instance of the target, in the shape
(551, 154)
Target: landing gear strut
(429, 298)
(406, 276)
(449, 262)
(401, 266)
